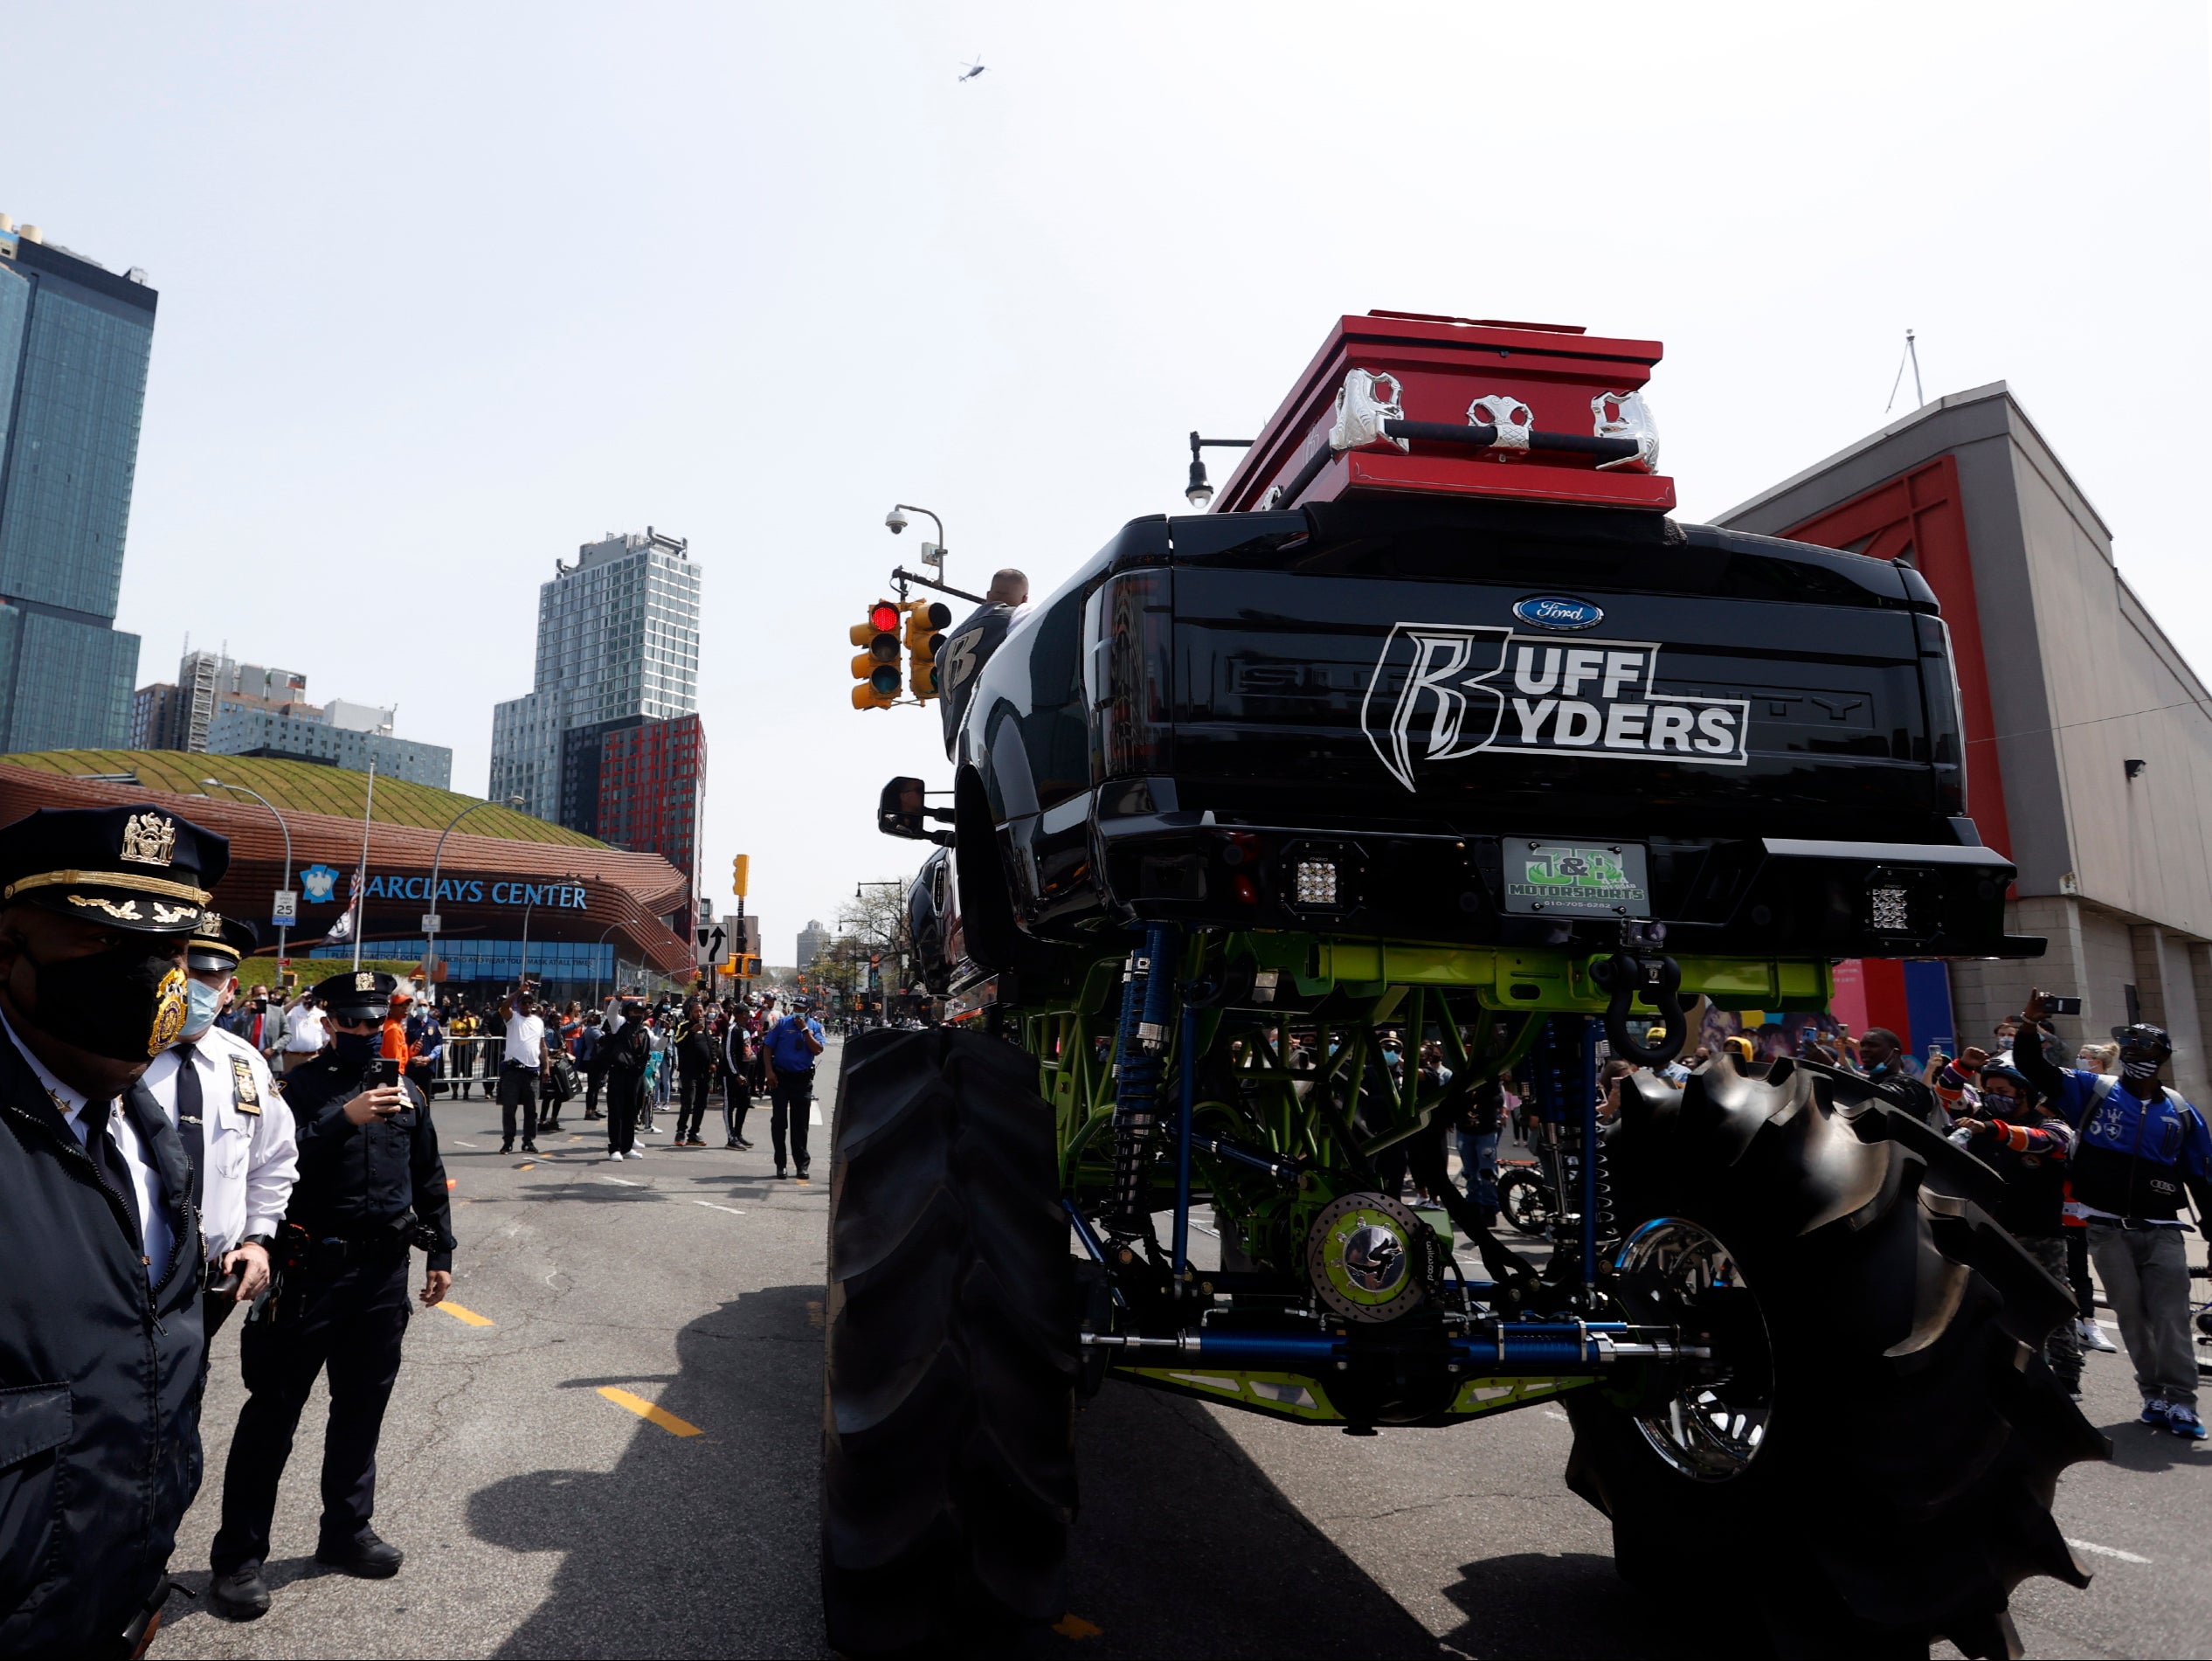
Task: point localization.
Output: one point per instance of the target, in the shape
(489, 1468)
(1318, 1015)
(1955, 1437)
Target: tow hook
(1659, 979)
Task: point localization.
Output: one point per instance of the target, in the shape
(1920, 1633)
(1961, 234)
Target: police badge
(245, 1096)
(170, 1006)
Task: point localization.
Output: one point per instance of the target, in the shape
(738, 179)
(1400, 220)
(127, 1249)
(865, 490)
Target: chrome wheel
(1712, 1426)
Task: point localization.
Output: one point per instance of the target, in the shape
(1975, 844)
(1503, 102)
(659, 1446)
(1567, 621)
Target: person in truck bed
(968, 647)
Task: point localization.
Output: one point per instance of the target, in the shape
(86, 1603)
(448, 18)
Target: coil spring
(1607, 1228)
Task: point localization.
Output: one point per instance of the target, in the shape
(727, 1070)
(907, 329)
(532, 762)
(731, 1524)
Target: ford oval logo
(1556, 611)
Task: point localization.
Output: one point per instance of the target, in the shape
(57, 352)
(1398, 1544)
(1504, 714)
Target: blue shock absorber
(1146, 993)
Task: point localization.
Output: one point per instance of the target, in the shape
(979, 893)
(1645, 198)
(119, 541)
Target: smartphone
(2061, 1006)
(383, 1070)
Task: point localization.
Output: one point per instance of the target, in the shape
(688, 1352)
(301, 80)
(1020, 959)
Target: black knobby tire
(1521, 1200)
(1904, 1484)
(948, 1416)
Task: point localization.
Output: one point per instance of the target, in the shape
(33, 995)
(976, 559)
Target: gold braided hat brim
(127, 880)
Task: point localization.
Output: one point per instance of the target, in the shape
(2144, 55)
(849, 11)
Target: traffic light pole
(900, 576)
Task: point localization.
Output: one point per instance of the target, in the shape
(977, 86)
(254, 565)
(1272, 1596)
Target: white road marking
(2106, 1551)
(625, 1181)
(813, 1112)
(1553, 1413)
(459, 1144)
(711, 1205)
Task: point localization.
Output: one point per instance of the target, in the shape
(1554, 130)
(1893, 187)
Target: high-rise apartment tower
(75, 339)
(617, 649)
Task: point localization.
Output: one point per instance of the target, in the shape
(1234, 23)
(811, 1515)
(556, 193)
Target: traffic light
(877, 666)
(740, 867)
(926, 621)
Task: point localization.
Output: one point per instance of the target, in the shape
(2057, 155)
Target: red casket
(1403, 401)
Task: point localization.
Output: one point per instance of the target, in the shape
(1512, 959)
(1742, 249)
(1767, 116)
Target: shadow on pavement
(1536, 1604)
(706, 1545)
(691, 1544)
(1185, 1547)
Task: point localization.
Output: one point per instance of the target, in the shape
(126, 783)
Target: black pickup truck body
(1400, 717)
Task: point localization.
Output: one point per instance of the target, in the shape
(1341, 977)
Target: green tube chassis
(1485, 1006)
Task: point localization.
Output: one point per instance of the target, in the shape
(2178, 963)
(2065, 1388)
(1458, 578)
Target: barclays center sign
(324, 885)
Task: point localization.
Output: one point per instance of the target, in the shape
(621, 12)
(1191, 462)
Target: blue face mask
(1877, 1069)
(201, 1005)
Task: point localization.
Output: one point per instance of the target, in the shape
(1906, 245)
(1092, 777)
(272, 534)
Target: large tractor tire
(948, 1415)
(1878, 1473)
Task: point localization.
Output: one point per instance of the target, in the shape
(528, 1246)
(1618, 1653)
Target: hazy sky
(447, 290)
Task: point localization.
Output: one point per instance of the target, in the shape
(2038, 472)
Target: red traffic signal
(883, 617)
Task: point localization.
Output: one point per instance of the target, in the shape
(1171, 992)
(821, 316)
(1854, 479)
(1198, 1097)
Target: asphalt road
(544, 1515)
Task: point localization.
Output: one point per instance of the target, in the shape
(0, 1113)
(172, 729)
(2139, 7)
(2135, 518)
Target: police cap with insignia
(356, 994)
(220, 942)
(134, 866)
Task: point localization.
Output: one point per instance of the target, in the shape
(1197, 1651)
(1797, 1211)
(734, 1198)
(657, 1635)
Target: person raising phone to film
(372, 1184)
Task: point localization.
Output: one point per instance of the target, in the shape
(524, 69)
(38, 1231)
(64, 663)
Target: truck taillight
(1129, 626)
(1940, 695)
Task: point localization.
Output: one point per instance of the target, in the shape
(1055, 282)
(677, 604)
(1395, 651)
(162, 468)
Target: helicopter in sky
(969, 71)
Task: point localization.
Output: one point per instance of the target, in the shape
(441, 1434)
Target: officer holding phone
(371, 1184)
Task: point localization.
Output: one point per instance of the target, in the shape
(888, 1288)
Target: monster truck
(1442, 730)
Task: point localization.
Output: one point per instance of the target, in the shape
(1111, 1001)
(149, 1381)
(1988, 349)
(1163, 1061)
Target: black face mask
(354, 1047)
(127, 1004)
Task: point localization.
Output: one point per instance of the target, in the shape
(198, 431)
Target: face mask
(201, 1005)
(2139, 1070)
(354, 1047)
(128, 1005)
(1877, 1069)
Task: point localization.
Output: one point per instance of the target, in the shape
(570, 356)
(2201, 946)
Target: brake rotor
(1361, 1256)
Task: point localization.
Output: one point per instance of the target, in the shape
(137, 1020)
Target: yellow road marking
(469, 1316)
(645, 1409)
(527, 1165)
(575, 1138)
(1074, 1626)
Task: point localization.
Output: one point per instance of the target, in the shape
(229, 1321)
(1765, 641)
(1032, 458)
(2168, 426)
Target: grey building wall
(75, 341)
(2116, 874)
(237, 730)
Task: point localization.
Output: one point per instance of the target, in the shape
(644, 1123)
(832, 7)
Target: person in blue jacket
(2143, 1149)
(100, 1335)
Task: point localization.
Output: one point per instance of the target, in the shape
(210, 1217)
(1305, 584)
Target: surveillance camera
(894, 522)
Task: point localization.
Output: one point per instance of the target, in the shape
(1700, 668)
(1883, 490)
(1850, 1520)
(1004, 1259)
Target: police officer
(217, 1090)
(100, 1332)
(2142, 1146)
(371, 1184)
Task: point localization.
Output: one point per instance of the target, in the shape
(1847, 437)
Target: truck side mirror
(902, 811)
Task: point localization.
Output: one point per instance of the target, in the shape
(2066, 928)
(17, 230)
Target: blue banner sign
(560, 896)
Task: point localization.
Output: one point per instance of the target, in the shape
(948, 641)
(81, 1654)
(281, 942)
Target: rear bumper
(1758, 896)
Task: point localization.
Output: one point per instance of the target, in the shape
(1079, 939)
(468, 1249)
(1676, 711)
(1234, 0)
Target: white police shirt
(158, 1233)
(250, 1161)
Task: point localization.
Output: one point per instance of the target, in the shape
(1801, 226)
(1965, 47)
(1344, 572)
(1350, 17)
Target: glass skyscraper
(618, 647)
(75, 339)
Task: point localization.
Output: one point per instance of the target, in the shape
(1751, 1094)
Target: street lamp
(284, 929)
(1198, 491)
(522, 974)
(429, 928)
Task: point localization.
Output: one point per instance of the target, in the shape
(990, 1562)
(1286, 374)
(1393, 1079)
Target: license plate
(1576, 879)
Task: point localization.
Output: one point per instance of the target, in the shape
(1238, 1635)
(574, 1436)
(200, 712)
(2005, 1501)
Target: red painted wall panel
(1920, 513)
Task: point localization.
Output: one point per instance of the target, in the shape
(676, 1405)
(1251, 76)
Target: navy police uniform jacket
(360, 1182)
(99, 1444)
